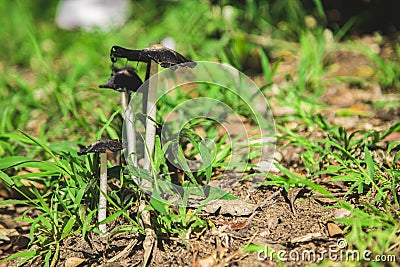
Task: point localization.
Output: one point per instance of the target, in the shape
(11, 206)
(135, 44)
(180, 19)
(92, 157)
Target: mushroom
(101, 147)
(164, 56)
(127, 81)
(123, 80)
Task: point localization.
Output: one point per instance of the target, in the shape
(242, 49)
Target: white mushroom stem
(150, 112)
(102, 215)
(129, 128)
(151, 98)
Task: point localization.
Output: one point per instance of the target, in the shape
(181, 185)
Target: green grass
(50, 103)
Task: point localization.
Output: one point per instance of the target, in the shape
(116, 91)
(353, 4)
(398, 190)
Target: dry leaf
(73, 262)
(238, 226)
(4, 234)
(333, 229)
(393, 137)
(28, 182)
(230, 207)
(292, 196)
(305, 238)
(233, 225)
(341, 213)
(207, 261)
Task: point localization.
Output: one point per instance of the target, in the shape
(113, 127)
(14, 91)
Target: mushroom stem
(102, 214)
(151, 98)
(101, 147)
(129, 128)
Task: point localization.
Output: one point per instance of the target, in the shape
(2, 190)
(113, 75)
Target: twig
(239, 252)
(125, 252)
(149, 240)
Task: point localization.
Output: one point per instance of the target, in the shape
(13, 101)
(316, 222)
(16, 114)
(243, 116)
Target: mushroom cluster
(127, 81)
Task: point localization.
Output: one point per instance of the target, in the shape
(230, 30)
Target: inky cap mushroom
(167, 58)
(123, 78)
(101, 146)
(164, 56)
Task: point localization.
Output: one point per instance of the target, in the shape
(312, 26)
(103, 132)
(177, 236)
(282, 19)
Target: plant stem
(103, 192)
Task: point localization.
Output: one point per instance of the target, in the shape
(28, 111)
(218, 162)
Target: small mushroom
(126, 80)
(123, 79)
(101, 148)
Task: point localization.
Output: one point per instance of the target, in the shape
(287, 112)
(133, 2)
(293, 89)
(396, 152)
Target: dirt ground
(273, 224)
(298, 220)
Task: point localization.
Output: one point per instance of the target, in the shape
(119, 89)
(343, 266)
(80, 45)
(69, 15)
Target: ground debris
(230, 207)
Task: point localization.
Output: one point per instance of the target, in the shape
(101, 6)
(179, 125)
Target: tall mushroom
(101, 147)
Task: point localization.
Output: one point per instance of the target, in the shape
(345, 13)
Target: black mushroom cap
(164, 56)
(101, 146)
(167, 58)
(123, 78)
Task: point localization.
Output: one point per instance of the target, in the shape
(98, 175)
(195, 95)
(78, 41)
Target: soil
(275, 224)
(297, 220)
